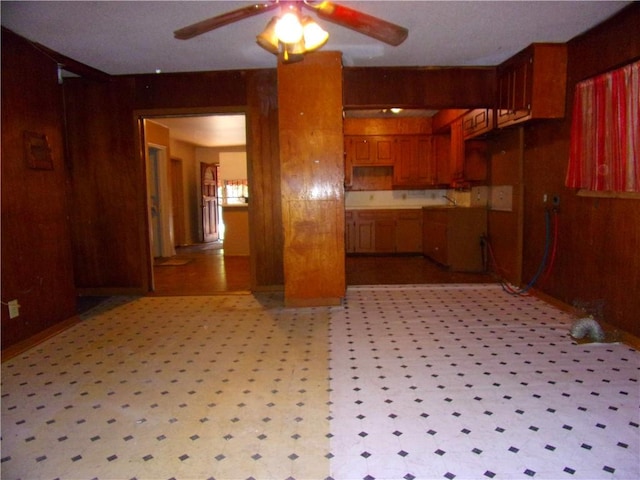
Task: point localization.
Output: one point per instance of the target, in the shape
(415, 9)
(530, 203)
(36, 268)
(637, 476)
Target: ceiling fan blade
(216, 22)
(374, 27)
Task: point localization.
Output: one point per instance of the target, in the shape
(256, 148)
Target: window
(605, 133)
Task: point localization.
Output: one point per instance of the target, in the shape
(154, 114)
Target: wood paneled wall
(37, 267)
(436, 88)
(598, 256)
(107, 179)
(505, 227)
(265, 206)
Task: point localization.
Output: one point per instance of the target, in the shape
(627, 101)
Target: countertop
(386, 207)
(404, 207)
(235, 205)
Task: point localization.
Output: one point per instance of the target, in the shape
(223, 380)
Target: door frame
(139, 116)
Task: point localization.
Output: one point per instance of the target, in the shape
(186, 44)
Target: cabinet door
(369, 150)
(505, 102)
(409, 231)
(413, 166)
(425, 168)
(457, 150)
(384, 150)
(360, 151)
(435, 242)
(477, 122)
(385, 235)
(365, 236)
(514, 90)
(442, 159)
(404, 167)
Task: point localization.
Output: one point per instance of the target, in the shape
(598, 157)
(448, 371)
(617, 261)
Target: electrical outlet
(14, 308)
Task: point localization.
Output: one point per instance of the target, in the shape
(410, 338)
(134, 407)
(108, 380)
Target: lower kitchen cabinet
(452, 237)
(384, 231)
(408, 232)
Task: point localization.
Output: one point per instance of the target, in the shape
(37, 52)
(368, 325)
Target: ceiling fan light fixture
(314, 35)
(289, 29)
(268, 39)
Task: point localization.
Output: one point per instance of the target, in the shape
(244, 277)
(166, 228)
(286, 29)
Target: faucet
(452, 200)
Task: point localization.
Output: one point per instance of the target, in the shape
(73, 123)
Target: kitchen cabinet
(384, 231)
(370, 150)
(414, 162)
(468, 158)
(457, 151)
(452, 237)
(364, 228)
(408, 232)
(410, 157)
(477, 122)
(442, 159)
(532, 84)
(367, 152)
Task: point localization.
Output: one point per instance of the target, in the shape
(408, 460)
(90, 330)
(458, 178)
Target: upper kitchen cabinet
(370, 150)
(532, 84)
(380, 152)
(477, 122)
(414, 165)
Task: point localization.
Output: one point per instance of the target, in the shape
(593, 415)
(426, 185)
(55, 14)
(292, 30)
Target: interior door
(154, 202)
(209, 180)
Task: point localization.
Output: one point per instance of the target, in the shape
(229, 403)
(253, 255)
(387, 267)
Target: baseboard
(111, 292)
(28, 343)
(625, 337)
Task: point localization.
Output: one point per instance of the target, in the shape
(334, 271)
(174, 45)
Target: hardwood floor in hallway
(205, 270)
(201, 270)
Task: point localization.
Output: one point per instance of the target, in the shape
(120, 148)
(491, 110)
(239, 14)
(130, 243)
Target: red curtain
(605, 132)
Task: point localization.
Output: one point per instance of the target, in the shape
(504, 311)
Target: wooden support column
(312, 179)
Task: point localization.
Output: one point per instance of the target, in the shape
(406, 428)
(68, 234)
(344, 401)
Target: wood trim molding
(28, 343)
(598, 194)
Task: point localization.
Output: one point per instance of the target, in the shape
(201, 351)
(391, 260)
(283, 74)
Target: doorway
(193, 228)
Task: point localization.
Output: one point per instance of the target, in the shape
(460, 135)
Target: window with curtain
(605, 133)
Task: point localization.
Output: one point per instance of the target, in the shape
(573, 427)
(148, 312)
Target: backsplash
(476, 197)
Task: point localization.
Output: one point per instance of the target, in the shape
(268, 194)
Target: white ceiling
(222, 130)
(130, 37)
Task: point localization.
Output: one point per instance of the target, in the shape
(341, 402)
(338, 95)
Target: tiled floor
(468, 382)
(401, 382)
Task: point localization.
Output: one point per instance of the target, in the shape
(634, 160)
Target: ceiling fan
(292, 35)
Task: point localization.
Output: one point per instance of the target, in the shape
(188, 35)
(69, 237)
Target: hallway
(201, 270)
